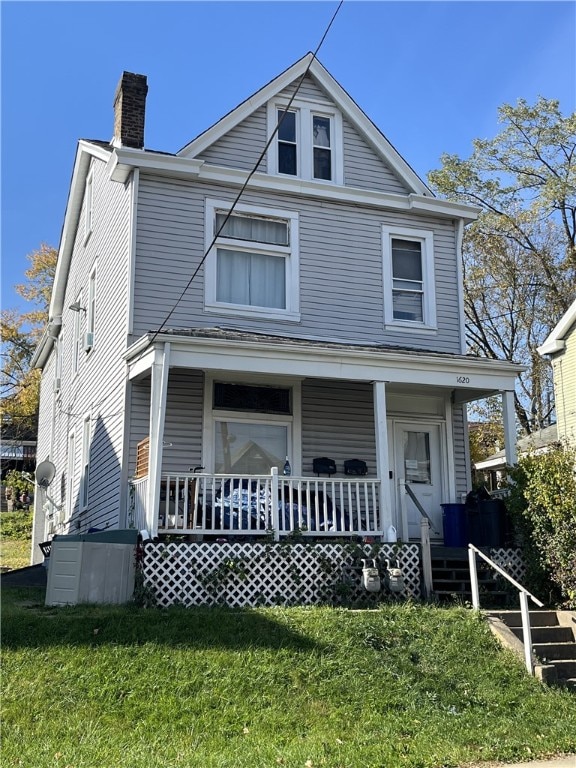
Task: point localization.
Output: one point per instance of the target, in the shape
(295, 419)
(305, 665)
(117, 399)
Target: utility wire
(248, 178)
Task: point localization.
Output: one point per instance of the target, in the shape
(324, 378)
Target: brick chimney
(129, 111)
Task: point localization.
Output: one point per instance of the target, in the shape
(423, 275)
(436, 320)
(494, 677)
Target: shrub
(543, 505)
(16, 525)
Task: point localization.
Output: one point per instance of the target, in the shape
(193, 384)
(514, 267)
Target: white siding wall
(341, 283)
(98, 387)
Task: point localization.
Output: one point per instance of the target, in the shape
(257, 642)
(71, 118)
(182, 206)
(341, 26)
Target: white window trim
(70, 467)
(291, 254)
(293, 422)
(76, 338)
(91, 308)
(426, 239)
(88, 206)
(305, 110)
(85, 468)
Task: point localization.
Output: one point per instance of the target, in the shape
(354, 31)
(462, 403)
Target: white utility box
(94, 567)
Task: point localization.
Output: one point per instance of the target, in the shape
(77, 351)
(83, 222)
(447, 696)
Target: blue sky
(431, 75)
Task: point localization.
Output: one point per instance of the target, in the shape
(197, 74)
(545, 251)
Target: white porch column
(382, 458)
(158, 396)
(509, 418)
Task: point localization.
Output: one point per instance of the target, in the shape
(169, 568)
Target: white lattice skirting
(247, 575)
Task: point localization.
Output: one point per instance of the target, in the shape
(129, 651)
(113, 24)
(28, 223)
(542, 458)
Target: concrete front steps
(553, 641)
(451, 579)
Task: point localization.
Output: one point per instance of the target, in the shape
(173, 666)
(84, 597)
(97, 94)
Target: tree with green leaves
(520, 255)
(19, 384)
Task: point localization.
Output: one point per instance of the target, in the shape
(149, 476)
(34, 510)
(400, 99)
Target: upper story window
(253, 266)
(308, 143)
(409, 277)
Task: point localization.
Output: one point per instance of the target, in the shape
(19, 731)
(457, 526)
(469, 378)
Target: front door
(418, 461)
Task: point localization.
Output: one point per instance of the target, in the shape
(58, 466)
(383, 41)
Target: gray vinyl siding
(98, 388)
(363, 168)
(183, 427)
(341, 278)
(337, 422)
(309, 89)
(242, 146)
(460, 453)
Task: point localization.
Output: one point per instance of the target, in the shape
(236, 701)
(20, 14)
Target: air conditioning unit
(88, 341)
(57, 384)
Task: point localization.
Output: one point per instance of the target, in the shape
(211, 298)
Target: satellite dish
(45, 472)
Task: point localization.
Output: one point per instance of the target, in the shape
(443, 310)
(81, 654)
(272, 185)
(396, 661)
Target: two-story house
(284, 288)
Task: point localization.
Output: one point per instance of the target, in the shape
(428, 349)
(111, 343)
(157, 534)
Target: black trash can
(455, 525)
(485, 523)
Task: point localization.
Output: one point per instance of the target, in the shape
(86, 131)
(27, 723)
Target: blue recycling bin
(455, 522)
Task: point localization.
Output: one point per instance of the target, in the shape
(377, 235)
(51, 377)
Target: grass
(15, 539)
(405, 685)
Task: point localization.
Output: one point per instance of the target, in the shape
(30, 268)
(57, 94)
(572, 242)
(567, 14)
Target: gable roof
(556, 341)
(310, 65)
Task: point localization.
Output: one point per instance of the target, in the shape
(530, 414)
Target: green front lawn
(95, 686)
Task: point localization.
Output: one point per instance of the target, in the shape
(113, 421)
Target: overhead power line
(248, 178)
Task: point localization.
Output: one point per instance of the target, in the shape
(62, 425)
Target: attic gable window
(252, 268)
(308, 143)
(408, 271)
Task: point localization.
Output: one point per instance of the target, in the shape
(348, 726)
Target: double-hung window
(252, 267)
(409, 277)
(308, 142)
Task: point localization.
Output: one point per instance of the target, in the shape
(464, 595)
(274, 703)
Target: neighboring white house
(326, 321)
(560, 346)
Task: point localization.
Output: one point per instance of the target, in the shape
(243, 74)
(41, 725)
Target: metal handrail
(523, 594)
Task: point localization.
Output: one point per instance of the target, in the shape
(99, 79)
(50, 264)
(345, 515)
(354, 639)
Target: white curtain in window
(252, 279)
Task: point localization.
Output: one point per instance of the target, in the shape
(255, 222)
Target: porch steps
(451, 578)
(553, 640)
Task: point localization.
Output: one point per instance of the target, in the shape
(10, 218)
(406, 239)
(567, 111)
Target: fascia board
(555, 341)
(354, 195)
(84, 152)
(245, 109)
(318, 362)
(123, 161)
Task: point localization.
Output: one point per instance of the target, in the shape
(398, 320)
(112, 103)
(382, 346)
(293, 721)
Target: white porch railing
(230, 505)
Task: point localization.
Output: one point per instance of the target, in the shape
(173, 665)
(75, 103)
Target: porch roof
(232, 349)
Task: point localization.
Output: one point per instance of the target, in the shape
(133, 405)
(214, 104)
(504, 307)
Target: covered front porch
(215, 415)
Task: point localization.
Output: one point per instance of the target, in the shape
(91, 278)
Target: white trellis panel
(511, 561)
(246, 575)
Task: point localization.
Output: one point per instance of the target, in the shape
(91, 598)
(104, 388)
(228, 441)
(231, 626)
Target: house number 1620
(463, 379)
